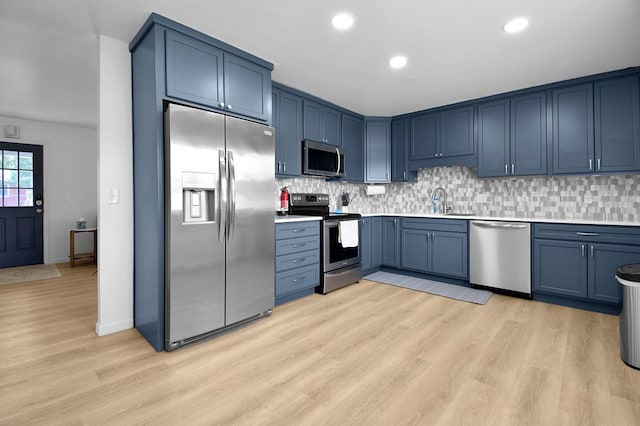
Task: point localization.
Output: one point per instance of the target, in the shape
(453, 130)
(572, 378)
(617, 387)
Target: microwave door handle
(338, 155)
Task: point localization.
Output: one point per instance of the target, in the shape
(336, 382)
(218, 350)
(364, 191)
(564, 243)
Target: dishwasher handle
(501, 225)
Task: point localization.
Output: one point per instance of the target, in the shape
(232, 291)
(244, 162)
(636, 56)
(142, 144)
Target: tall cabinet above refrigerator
(203, 184)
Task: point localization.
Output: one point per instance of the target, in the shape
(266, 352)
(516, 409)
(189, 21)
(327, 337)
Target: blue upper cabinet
(194, 70)
(425, 137)
(353, 146)
(400, 137)
(443, 138)
(617, 125)
(493, 139)
(457, 132)
(512, 136)
(321, 123)
(287, 119)
(378, 150)
(528, 134)
(573, 143)
(247, 88)
(596, 127)
(204, 74)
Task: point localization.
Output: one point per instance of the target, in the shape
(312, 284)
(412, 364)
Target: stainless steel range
(340, 249)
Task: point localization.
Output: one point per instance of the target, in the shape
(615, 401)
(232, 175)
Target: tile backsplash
(610, 198)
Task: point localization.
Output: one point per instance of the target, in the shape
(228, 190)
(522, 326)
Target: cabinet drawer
(297, 279)
(297, 229)
(296, 245)
(297, 260)
(588, 233)
(450, 225)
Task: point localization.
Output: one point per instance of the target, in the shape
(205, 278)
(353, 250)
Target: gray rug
(451, 291)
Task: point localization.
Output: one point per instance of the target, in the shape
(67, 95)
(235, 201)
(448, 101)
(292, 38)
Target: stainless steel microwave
(321, 159)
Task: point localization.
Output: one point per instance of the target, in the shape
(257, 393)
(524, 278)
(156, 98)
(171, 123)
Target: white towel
(348, 233)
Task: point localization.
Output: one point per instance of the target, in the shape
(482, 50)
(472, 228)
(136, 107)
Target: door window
(17, 178)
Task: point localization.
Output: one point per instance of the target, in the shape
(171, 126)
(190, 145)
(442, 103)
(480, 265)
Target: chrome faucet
(443, 204)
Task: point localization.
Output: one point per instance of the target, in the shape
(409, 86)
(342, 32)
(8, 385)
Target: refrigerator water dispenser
(198, 196)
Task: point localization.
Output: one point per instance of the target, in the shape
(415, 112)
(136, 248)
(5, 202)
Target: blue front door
(21, 204)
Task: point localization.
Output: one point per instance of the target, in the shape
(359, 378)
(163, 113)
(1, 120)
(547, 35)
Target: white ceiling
(456, 49)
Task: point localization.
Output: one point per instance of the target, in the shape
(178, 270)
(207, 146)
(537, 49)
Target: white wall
(115, 176)
(70, 181)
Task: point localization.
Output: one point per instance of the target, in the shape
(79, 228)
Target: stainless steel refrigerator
(219, 199)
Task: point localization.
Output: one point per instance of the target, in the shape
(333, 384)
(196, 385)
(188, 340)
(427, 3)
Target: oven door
(334, 255)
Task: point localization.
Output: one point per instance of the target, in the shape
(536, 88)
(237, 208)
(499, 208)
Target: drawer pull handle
(302, 259)
(298, 230)
(295, 280)
(299, 245)
(587, 234)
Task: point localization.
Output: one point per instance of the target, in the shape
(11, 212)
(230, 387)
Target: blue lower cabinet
(450, 254)
(370, 243)
(604, 259)
(435, 246)
(579, 262)
(560, 267)
(416, 253)
(297, 261)
(391, 242)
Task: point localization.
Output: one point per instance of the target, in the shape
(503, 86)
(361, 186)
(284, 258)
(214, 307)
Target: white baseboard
(104, 329)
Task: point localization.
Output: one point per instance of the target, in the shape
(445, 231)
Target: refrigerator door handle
(221, 198)
(231, 220)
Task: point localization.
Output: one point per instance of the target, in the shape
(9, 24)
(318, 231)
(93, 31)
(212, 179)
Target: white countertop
(295, 218)
(511, 219)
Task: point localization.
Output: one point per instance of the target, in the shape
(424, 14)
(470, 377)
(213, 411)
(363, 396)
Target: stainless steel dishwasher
(500, 256)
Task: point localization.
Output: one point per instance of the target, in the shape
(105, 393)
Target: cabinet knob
(221, 104)
(229, 107)
(284, 166)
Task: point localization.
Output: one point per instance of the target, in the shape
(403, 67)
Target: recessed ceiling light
(342, 21)
(398, 61)
(515, 25)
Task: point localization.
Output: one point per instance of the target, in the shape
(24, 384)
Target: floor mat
(21, 274)
(451, 291)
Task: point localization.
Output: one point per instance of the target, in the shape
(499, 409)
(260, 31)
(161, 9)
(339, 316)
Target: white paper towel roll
(375, 189)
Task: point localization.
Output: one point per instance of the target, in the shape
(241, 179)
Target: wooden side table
(72, 246)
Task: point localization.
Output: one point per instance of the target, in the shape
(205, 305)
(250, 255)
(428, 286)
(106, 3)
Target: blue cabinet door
(247, 88)
(366, 243)
(560, 267)
(415, 250)
(617, 125)
(194, 70)
(378, 150)
(493, 139)
(353, 147)
(312, 116)
(287, 119)
(573, 141)
(376, 242)
(604, 259)
(425, 137)
(331, 127)
(457, 132)
(399, 149)
(391, 242)
(529, 135)
(449, 255)
(321, 123)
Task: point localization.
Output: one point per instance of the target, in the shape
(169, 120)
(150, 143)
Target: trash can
(629, 277)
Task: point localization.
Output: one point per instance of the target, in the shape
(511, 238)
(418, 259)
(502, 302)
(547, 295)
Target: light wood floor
(367, 354)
